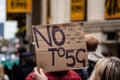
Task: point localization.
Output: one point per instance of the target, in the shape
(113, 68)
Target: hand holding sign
(39, 74)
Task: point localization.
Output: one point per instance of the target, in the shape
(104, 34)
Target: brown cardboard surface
(60, 46)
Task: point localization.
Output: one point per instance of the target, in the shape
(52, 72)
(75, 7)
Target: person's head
(1, 72)
(27, 57)
(91, 43)
(22, 49)
(107, 53)
(106, 69)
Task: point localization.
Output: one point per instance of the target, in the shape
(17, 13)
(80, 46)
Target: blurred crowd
(101, 67)
(19, 71)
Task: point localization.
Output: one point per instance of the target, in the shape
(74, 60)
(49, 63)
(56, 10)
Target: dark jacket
(91, 67)
(24, 71)
(83, 73)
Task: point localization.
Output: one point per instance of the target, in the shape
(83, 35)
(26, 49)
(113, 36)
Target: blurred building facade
(100, 18)
(1, 31)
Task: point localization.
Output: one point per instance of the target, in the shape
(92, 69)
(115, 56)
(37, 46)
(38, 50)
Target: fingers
(41, 71)
(36, 71)
(39, 74)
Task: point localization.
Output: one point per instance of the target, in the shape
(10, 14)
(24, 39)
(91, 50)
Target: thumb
(36, 71)
(41, 71)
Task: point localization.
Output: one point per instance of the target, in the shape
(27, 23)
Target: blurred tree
(21, 19)
(21, 33)
(4, 42)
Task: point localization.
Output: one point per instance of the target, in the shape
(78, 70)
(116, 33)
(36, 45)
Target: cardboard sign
(60, 47)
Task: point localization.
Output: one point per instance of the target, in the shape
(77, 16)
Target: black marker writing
(50, 36)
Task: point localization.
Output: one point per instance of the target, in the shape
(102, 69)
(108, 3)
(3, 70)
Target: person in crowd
(17, 65)
(27, 66)
(107, 53)
(91, 44)
(106, 69)
(7, 71)
(21, 49)
(83, 73)
(38, 74)
(3, 76)
(93, 57)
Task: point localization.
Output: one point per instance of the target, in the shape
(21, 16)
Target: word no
(55, 29)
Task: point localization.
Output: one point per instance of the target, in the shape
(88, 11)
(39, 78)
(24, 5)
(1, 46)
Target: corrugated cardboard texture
(60, 46)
